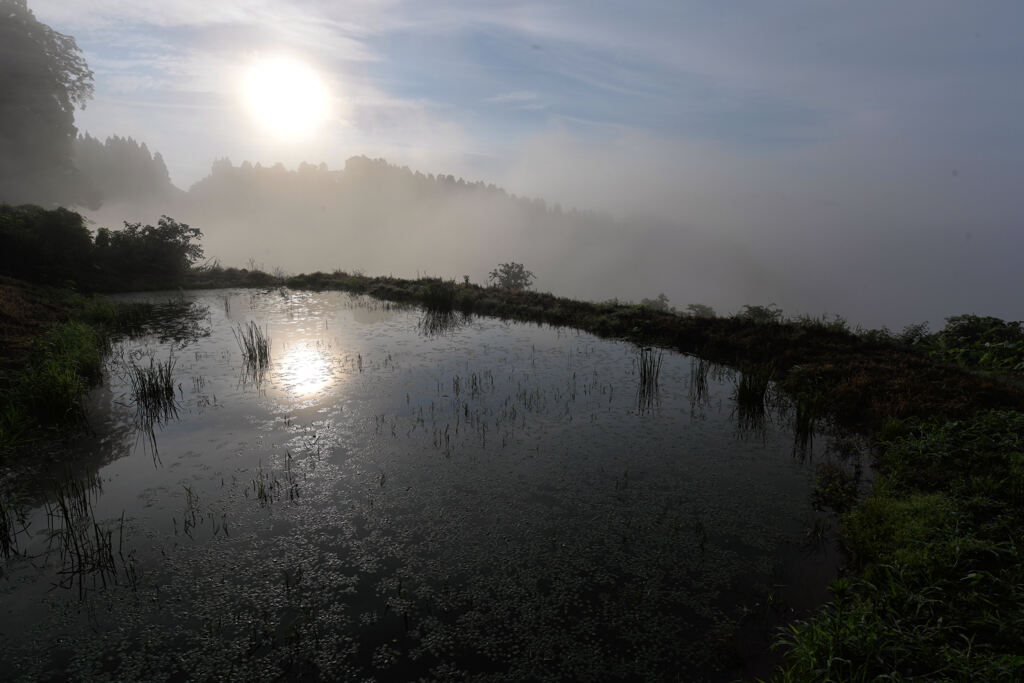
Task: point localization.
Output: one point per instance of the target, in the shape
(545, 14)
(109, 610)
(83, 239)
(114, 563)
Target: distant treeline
(121, 169)
(55, 247)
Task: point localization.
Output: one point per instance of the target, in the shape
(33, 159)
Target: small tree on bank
(511, 276)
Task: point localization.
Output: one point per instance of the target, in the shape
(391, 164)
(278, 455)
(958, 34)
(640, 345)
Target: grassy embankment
(935, 586)
(54, 342)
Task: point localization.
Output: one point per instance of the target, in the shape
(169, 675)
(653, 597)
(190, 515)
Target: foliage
(44, 246)
(55, 247)
(164, 252)
(659, 303)
(700, 311)
(43, 78)
(511, 276)
(940, 590)
(760, 314)
(438, 296)
(981, 342)
(63, 365)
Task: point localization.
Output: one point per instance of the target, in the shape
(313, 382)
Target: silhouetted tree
(42, 78)
(142, 252)
(511, 276)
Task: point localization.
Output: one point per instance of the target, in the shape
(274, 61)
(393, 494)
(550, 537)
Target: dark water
(397, 498)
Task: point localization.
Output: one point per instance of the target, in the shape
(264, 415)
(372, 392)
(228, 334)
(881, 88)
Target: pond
(404, 496)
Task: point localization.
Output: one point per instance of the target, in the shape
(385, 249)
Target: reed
(254, 344)
(649, 367)
(153, 391)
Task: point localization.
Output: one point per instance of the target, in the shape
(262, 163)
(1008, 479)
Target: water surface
(401, 497)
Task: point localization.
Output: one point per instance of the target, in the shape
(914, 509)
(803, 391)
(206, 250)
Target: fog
(846, 161)
(630, 221)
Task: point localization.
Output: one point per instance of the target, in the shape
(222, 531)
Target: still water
(403, 497)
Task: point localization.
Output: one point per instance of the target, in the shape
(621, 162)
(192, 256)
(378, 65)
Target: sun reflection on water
(304, 371)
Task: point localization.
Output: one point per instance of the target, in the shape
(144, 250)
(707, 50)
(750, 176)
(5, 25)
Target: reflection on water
(303, 370)
(490, 501)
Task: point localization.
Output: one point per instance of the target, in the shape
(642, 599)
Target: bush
(760, 314)
(44, 246)
(165, 252)
(700, 311)
(511, 276)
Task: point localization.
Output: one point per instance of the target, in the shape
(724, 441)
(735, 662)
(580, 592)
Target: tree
(43, 77)
(700, 311)
(44, 246)
(511, 276)
(143, 252)
(659, 303)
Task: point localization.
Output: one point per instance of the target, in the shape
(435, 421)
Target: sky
(875, 147)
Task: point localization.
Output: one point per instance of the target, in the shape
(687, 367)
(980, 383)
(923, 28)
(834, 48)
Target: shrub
(511, 276)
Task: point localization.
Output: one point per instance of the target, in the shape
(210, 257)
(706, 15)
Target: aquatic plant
(86, 546)
(153, 390)
(649, 367)
(698, 392)
(11, 518)
(751, 393)
(254, 344)
(438, 296)
(434, 323)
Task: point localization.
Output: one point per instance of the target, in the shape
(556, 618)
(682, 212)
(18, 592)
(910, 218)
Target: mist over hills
(385, 219)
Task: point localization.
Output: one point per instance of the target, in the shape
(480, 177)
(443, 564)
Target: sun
(286, 97)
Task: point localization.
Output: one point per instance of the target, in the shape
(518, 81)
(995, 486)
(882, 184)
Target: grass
(53, 348)
(648, 363)
(153, 391)
(64, 363)
(751, 394)
(938, 587)
(87, 547)
(12, 523)
(254, 344)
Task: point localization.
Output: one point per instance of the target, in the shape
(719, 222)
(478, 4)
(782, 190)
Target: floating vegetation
(153, 391)
(649, 366)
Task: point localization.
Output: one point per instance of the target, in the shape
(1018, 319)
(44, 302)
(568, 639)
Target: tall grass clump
(649, 367)
(254, 344)
(751, 394)
(438, 296)
(153, 390)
